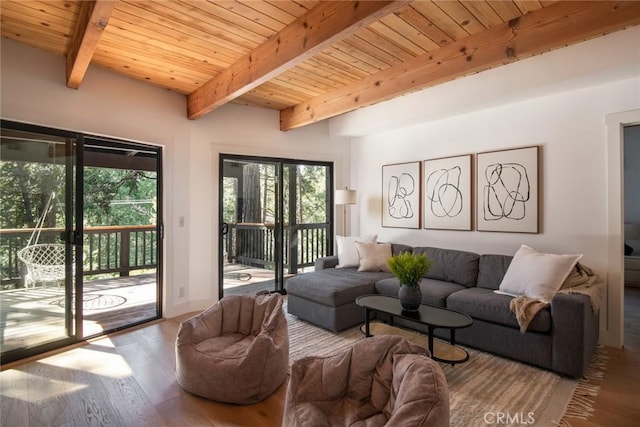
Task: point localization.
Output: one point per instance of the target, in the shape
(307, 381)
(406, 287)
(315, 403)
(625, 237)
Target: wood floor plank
(134, 406)
(14, 406)
(156, 384)
(183, 411)
(617, 403)
(53, 386)
(159, 347)
(267, 413)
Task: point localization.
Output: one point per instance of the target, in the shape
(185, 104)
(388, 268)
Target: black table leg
(366, 322)
(453, 337)
(431, 340)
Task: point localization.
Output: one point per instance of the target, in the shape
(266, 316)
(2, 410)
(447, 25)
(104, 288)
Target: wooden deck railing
(114, 249)
(254, 244)
(122, 249)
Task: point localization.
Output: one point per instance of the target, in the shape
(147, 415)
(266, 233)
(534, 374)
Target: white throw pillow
(535, 274)
(373, 256)
(347, 251)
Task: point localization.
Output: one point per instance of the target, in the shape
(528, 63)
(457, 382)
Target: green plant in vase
(409, 268)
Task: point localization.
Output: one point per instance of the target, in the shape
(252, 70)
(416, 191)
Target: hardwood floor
(127, 379)
(618, 403)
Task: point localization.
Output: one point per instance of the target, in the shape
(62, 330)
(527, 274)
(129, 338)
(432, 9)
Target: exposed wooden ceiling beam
(534, 33)
(92, 20)
(321, 26)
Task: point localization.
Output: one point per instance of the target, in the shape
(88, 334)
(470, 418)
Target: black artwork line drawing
(400, 188)
(443, 192)
(506, 191)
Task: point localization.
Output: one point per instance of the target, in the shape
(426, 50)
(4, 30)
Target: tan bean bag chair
(236, 351)
(383, 380)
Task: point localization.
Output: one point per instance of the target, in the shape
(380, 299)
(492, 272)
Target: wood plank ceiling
(309, 59)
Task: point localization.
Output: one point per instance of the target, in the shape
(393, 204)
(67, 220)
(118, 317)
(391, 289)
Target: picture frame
(448, 193)
(401, 191)
(508, 190)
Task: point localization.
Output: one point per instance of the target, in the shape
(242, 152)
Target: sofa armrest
(575, 333)
(326, 262)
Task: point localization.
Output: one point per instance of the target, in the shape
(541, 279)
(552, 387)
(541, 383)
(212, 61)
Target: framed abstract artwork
(401, 195)
(448, 203)
(507, 190)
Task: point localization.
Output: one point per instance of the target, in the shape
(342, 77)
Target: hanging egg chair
(45, 261)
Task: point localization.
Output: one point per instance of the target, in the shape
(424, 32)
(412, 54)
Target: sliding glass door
(275, 221)
(80, 237)
(38, 256)
(121, 246)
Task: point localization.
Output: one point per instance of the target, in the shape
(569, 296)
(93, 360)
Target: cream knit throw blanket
(581, 280)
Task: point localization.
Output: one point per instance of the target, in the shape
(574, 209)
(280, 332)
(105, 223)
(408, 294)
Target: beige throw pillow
(373, 256)
(535, 274)
(347, 252)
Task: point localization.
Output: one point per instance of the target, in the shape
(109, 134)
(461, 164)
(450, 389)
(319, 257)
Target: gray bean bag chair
(384, 380)
(236, 351)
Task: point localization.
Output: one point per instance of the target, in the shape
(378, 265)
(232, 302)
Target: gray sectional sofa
(562, 337)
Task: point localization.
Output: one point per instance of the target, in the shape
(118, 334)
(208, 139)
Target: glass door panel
(121, 235)
(250, 206)
(275, 221)
(36, 291)
(306, 215)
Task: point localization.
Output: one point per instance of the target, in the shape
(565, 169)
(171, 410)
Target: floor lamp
(345, 197)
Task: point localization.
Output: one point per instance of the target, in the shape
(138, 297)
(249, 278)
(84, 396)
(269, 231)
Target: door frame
(613, 335)
(74, 231)
(281, 162)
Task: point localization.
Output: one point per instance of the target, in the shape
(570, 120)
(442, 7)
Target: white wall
(568, 126)
(33, 90)
(565, 117)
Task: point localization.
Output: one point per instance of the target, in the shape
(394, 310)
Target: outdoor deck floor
(36, 315)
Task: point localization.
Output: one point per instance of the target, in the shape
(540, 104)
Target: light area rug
(487, 390)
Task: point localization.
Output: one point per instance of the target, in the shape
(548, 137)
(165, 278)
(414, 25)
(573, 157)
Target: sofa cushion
(398, 248)
(484, 304)
(334, 287)
(326, 262)
(491, 270)
(452, 265)
(434, 292)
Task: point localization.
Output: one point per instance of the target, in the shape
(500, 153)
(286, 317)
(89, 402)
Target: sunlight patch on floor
(103, 363)
(37, 387)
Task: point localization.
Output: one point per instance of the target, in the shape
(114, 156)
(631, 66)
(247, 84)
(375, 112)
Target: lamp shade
(345, 197)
